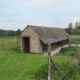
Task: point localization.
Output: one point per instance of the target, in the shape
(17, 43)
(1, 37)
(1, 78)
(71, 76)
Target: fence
(6, 43)
(77, 56)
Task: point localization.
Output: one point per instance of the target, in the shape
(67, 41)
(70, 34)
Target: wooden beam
(53, 64)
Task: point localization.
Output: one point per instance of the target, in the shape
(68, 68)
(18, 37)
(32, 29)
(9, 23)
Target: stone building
(35, 38)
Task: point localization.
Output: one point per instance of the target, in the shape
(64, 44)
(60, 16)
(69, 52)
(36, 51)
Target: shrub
(67, 72)
(41, 72)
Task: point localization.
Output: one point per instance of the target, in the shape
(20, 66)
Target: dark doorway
(26, 44)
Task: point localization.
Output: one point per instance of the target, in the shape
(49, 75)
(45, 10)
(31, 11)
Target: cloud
(45, 2)
(39, 2)
(5, 24)
(1, 2)
(9, 26)
(74, 19)
(63, 23)
(40, 24)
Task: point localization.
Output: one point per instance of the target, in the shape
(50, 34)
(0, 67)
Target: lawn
(15, 65)
(68, 51)
(74, 39)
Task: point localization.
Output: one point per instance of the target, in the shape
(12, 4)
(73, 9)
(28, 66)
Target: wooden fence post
(2, 43)
(69, 44)
(17, 41)
(9, 43)
(77, 45)
(49, 61)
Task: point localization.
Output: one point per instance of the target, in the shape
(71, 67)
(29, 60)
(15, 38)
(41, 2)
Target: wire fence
(6, 43)
(77, 55)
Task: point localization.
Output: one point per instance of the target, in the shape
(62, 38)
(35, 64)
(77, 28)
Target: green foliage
(75, 31)
(67, 72)
(78, 27)
(10, 32)
(68, 51)
(68, 30)
(18, 32)
(41, 72)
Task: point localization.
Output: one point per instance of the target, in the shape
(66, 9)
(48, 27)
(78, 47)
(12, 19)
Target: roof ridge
(43, 26)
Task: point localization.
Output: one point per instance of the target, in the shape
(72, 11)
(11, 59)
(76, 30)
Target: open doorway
(26, 44)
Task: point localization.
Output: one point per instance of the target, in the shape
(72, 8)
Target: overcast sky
(15, 14)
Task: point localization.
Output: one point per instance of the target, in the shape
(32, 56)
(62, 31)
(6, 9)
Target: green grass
(67, 72)
(8, 41)
(15, 65)
(74, 39)
(70, 51)
(7, 37)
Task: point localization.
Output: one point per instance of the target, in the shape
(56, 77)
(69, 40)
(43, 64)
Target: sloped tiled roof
(50, 34)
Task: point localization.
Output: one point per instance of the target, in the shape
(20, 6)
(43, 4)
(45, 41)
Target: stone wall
(35, 45)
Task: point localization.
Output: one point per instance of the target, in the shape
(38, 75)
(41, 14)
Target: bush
(67, 72)
(41, 72)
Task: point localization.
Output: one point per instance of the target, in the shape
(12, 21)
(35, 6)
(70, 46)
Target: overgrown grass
(70, 51)
(7, 37)
(8, 41)
(15, 65)
(74, 39)
(67, 72)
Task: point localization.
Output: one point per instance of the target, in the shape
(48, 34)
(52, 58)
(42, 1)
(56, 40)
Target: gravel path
(58, 49)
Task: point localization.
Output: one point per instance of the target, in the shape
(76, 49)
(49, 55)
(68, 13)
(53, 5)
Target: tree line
(73, 29)
(10, 32)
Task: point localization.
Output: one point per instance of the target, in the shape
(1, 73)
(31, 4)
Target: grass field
(74, 39)
(68, 51)
(8, 41)
(15, 65)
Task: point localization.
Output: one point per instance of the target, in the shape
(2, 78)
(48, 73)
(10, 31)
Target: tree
(76, 25)
(69, 28)
(75, 31)
(79, 23)
(10, 33)
(1, 32)
(18, 32)
(70, 25)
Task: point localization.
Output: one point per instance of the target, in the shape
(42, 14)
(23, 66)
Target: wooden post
(54, 45)
(69, 44)
(9, 43)
(2, 43)
(62, 43)
(17, 41)
(49, 61)
(77, 45)
(53, 64)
